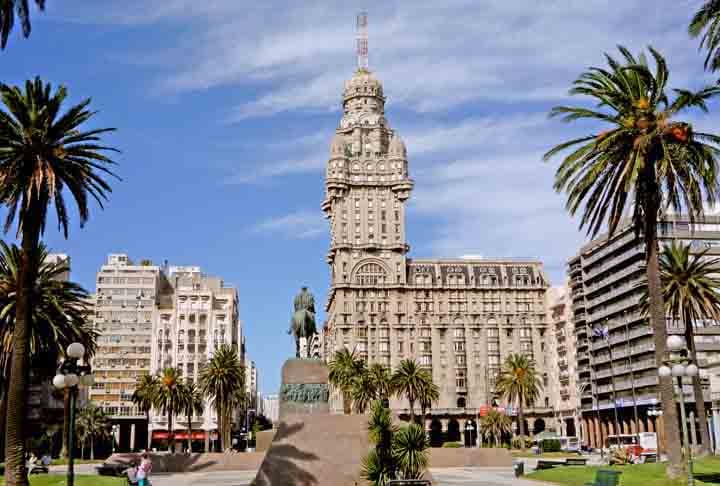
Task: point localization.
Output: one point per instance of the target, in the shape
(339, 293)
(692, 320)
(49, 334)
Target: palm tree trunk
(92, 447)
(219, 412)
(15, 470)
(3, 413)
(521, 426)
(347, 403)
(658, 324)
(697, 388)
(171, 437)
(412, 411)
(82, 449)
(149, 434)
(189, 415)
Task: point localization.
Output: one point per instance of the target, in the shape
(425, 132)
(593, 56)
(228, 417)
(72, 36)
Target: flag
(601, 332)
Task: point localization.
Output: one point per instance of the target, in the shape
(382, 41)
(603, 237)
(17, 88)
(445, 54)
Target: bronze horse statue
(302, 324)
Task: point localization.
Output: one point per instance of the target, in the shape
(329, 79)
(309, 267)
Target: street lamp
(72, 375)
(115, 430)
(678, 365)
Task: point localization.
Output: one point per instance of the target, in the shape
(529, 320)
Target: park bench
(576, 461)
(545, 464)
(605, 477)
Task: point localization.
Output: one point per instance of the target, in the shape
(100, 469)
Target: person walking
(143, 472)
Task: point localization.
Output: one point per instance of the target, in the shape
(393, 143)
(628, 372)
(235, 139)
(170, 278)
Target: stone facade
(458, 318)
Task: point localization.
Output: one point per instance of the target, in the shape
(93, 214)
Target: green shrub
(452, 445)
(517, 442)
(550, 445)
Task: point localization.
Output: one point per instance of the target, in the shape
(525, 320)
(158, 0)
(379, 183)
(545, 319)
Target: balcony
(614, 277)
(603, 313)
(606, 250)
(619, 370)
(616, 292)
(636, 332)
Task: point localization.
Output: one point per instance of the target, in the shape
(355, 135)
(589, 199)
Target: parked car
(570, 444)
(111, 468)
(639, 445)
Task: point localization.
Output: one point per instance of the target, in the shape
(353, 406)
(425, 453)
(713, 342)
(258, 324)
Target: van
(569, 444)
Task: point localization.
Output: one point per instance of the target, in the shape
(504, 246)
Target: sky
(225, 110)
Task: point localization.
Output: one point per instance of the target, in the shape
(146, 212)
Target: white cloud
(297, 225)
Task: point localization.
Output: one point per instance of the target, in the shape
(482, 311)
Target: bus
(642, 444)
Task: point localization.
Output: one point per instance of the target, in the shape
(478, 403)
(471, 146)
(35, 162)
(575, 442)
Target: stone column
(716, 429)
(642, 426)
(693, 430)
(132, 438)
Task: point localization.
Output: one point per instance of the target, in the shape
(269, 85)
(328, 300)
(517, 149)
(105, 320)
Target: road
(444, 477)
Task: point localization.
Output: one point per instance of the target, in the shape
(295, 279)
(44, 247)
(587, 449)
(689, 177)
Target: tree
(364, 392)
(690, 289)
(378, 466)
(144, 397)
(410, 450)
(58, 319)
(223, 380)
(518, 382)
(93, 423)
(494, 424)
(429, 394)
(8, 9)
(44, 155)
(344, 368)
(382, 379)
(645, 162)
(193, 403)
(410, 380)
(168, 399)
(707, 19)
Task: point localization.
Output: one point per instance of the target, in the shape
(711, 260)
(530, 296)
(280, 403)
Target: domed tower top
(363, 83)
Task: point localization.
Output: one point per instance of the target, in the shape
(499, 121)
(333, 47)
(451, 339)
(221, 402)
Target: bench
(605, 477)
(576, 461)
(545, 464)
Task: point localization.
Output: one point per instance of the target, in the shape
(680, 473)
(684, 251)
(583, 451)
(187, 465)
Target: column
(132, 438)
(598, 432)
(660, 428)
(693, 430)
(642, 426)
(530, 426)
(716, 429)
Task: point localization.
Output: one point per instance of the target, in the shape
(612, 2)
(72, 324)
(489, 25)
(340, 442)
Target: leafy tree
(344, 368)
(518, 382)
(44, 156)
(223, 380)
(410, 381)
(93, 423)
(144, 397)
(691, 291)
(168, 399)
(8, 10)
(645, 162)
(59, 319)
(706, 21)
(193, 403)
(494, 424)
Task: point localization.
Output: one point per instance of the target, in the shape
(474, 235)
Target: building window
(459, 346)
(459, 333)
(370, 274)
(425, 360)
(460, 379)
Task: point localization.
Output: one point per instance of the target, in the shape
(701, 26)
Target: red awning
(160, 435)
(179, 435)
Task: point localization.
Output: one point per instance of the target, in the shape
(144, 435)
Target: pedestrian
(144, 469)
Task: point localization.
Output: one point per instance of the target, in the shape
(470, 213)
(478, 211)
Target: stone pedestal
(304, 389)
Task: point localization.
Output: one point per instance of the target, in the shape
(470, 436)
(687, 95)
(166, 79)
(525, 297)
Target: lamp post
(115, 430)
(678, 365)
(72, 375)
(655, 413)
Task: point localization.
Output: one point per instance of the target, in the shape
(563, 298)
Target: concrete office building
(607, 279)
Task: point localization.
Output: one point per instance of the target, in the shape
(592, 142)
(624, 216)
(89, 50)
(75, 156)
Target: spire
(362, 41)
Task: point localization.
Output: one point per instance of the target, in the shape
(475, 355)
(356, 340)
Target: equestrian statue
(302, 324)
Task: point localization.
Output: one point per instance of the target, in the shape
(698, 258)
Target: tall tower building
(458, 318)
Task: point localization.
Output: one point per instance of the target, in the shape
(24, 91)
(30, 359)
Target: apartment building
(125, 303)
(617, 370)
(196, 314)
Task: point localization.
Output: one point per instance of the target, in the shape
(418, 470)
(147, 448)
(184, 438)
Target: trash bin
(518, 468)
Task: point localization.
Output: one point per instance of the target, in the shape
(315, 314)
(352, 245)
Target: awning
(180, 435)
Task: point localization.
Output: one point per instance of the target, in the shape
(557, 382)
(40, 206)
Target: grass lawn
(63, 462)
(80, 480)
(707, 472)
(544, 455)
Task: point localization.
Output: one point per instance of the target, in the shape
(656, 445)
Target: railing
(614, 293)
(603, 252)
(614, 277)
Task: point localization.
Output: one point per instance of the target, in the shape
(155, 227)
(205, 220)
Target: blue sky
(225, 110)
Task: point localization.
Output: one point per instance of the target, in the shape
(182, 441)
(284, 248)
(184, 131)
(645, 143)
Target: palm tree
(364, 392)
(410, 450)
(518, 382)
(382, 380)
(59, 318)
(44, 156)
(429, 394)
(494, 424)
(378, 466)
(707, 19)
(193, 403)
(93, 423)
(8, 8)
(223, 380)
(168, 399)
(645, 162)
(144, 397)
(344, 368)
(410, 380)
(690, 288)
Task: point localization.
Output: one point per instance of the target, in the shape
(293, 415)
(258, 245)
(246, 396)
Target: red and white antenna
(362, 40)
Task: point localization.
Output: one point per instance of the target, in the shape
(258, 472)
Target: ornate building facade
(459, 318)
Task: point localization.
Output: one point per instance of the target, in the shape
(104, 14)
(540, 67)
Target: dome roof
(397, 146)
(337, 146)
(363, 83)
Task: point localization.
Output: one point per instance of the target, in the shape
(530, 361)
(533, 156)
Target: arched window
(461, 402)
(370, 274)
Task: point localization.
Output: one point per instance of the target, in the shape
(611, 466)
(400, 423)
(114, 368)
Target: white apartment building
(251, 384)
(126, 299)
(196, 314)
(271, 408)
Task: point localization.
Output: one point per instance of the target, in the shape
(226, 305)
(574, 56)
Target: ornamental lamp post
(678, 365)
(72, 375)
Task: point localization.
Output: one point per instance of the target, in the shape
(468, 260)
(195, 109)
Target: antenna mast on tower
(362, 40)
